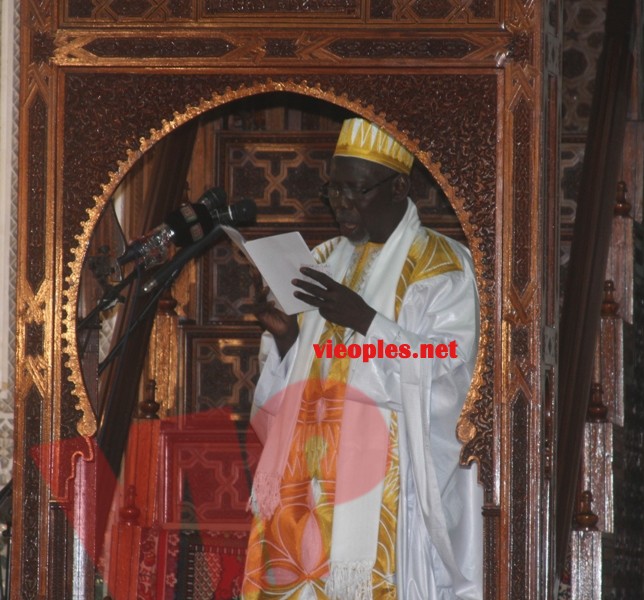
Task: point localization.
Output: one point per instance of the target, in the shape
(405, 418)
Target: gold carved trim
(87, 425)
(249, 47)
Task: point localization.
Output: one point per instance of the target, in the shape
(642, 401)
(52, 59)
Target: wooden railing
(583, 296)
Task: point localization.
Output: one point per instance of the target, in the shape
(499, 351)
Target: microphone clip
(152, 249)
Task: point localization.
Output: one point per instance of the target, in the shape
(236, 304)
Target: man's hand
(283, 327)
(336, 302)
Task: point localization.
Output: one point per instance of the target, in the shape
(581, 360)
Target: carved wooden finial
(167, 303)
(622, 205)
(586, 518)
(149, 408)
(609, 306)
(597, 410)
(130, 513)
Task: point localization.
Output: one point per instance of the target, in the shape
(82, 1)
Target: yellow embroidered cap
(361, 139)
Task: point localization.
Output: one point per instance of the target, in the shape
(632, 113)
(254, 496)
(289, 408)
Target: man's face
(367, 199)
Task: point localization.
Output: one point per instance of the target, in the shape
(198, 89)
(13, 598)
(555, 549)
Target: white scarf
(355, 522)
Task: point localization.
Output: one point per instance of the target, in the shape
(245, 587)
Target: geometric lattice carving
(434, 208)
(228, 291)
(283, 174)
(42, 46)
(223, 368)
(208, 472)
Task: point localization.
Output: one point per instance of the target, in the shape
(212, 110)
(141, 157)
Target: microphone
(171, 269)
(187, 225)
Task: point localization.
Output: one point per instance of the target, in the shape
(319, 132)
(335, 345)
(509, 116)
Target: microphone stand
(111, 295)
(161, 281)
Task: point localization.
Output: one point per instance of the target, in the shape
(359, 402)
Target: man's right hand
(283, 327)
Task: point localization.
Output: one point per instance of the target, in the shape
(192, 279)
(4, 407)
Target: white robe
(439, 538)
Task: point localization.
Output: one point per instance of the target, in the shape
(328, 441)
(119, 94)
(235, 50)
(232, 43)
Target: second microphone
(187, 225)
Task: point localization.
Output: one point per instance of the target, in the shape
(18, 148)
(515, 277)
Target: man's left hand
(336, 302)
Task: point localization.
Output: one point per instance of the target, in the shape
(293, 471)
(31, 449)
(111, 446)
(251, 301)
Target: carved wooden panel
(207, 473)
(227, 287)
(287, 169)
(222, 368)
(138, 12)
(290, 47)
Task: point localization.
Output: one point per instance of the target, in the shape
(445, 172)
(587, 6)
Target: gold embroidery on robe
(288, 555)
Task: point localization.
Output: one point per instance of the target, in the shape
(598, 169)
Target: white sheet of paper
(279, 259)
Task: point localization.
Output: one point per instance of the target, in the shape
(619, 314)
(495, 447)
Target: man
(358, 493)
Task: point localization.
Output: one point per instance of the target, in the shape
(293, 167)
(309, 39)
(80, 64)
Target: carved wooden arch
(474, 428)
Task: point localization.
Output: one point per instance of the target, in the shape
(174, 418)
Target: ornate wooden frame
(470, 87)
